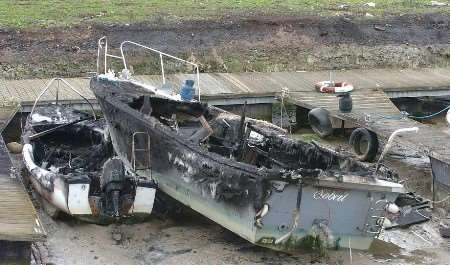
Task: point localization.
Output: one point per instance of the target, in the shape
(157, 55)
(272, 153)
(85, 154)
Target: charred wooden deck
(18, 218)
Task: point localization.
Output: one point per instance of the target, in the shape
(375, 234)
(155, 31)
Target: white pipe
(161, 54)
(99, 47)
(389, 143)
(47, 86)
(448, 116)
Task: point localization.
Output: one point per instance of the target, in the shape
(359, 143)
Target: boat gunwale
(252, 170)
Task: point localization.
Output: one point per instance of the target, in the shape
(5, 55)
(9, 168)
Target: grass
(51, 13)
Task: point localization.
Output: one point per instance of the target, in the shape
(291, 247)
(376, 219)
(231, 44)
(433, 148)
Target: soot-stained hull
(73, 168)
(252, 179)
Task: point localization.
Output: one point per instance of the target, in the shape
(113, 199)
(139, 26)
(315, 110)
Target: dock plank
(18, 218)
(372, 108)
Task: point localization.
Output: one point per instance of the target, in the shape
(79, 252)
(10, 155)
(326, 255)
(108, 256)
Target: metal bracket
(144, 150)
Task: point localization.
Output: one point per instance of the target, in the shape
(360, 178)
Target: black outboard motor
(112, 182)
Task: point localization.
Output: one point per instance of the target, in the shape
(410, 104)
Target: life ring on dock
(319, 120)
(365, 144)
(333, 87)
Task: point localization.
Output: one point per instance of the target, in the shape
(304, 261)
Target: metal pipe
(57, 93)
(106, 53)
(161, 54)
(69, 86)
(389, 143)
(99, 46)
(153, 50)
(198, 83)
(162, 68)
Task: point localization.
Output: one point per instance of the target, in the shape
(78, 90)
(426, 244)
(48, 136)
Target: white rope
(421, 237)
(441, 201)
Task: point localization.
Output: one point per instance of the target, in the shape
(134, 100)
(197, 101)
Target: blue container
(187, 90)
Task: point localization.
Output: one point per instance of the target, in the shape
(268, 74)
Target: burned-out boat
(246, 175)
(73, 168)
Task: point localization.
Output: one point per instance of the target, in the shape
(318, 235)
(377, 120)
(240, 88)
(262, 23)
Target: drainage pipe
(389, 143)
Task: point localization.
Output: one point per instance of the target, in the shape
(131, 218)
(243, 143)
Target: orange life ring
(333, 87)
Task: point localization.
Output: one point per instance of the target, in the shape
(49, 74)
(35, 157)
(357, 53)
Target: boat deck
(18, 218)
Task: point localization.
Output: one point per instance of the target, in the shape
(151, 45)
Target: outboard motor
(112, 183)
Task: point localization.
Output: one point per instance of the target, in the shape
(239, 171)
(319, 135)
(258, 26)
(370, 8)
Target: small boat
(245, 174)
(73, 168)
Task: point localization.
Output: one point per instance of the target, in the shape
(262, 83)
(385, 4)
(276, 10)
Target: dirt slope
(235, 44)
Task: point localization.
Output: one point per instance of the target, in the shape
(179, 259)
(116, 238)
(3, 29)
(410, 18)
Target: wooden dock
(372, 107)
(377, 113)
(19, 222)
(220, 87)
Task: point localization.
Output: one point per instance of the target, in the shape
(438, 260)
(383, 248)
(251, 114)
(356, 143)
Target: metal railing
(375, 224)
(48, 85)
(103, 44)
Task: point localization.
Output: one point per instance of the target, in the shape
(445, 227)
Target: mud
(189, 238)
(234, 44)
(192, 239)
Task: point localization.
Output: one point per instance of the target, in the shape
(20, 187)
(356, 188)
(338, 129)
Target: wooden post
(15, 252)
(301, 117)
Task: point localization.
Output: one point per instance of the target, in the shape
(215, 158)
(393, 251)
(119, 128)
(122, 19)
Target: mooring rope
(429, 116)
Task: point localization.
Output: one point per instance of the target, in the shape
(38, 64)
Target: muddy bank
(165, 242)
(236, 44)
(190, 238)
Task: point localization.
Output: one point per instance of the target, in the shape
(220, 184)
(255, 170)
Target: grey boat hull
(340, 212)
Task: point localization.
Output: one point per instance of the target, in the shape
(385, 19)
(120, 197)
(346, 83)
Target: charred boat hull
(271, 208)
(73, 168)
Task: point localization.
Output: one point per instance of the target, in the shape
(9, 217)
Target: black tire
(319, 120)
(365, 144)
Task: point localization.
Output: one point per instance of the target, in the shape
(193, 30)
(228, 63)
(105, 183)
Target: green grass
(49, 13)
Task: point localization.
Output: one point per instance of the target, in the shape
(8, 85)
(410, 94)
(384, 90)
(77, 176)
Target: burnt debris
(66, 148)
(260, 152)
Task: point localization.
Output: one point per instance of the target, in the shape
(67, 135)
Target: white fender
(143, 201)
